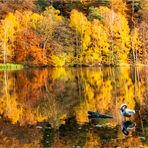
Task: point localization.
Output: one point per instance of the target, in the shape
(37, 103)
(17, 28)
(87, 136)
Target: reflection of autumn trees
(92, 137)
(9, 106)
(105, 90)
(58, 93)
(54, 95)
(20, 107)
(58, 101)
(66, 136)
(43, 96)
(97, 94)
(16, 136)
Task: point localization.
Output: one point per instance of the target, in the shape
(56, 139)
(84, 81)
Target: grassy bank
(11, 67)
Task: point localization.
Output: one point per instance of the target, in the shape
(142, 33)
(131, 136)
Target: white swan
(125, 111)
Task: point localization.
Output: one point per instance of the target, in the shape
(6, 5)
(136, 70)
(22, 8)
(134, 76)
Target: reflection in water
(127, 125)
(60, 98)
(47, 135)
(96, 115)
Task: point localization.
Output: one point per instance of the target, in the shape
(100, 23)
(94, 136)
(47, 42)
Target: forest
(73, 32)
(61, 60)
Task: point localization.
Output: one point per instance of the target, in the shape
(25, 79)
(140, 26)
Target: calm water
(48, 107)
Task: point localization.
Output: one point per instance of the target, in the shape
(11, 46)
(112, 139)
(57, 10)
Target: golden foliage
(107, 95)
(7, 35)
(99, 44)
(119, 38)
(83, 27)
(106, 41)
(58, 60)
(57, 94)
(103, 39)
(136, 45)
(118, 6)
(93, 38)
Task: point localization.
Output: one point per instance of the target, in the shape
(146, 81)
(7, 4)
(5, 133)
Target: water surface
(48, 107)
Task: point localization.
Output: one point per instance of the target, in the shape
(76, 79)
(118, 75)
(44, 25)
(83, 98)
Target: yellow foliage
(119, 37)
(135, 39)
(99, 41)
(136, 44)
(7, 35)
(102, 90)
(48, 20)
(81, 113)
(119, 6)
(35, 18)
(106, 41)
(28, 19)
(79, 21)
(93, 38)
(92, 140)
(57, 60)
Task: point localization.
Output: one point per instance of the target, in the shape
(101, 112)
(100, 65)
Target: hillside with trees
(73, 33)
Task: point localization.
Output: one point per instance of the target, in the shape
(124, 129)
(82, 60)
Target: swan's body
(125, 111)
(96, 115)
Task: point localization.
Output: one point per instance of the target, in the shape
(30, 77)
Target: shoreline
(11, 66)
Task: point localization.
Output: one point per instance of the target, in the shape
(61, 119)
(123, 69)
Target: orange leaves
(24, 36)
(16, 30)
(28, 51)
(36, 57)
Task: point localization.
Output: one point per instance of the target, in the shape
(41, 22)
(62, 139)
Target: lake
(49, 107)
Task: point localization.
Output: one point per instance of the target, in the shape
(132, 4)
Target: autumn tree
(83, 32)
(119, 6)
(118, 31)
(7, 35)
(94, 36)
(136, 46)
(45, 28)
(27, 44)
(27, 49)
(99, 42)
(13, 5)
